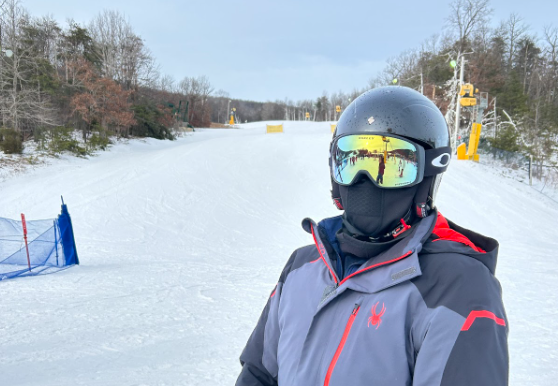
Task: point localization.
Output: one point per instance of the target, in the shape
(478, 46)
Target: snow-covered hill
(181, 243)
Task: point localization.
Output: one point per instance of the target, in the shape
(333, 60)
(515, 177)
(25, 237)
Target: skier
(381, 169)
(391, 293)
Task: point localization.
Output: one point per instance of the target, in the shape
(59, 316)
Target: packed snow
(181, 243)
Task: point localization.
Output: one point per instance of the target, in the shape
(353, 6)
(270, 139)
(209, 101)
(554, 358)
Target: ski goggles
(389, 161)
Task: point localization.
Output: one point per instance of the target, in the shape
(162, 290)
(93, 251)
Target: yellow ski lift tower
(337, 111)
(469, 101)
(231, 121)
(467, 90)
(385, 151)
(467, 95)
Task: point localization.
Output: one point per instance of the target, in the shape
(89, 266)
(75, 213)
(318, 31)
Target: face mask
(374, 211)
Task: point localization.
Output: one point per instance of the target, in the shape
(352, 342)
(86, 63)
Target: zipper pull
(355, 310)
(400, 229)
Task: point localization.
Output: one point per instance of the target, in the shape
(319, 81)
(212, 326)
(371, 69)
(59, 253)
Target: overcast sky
(296, 49)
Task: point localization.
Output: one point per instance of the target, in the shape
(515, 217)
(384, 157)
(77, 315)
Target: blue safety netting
(50, 243)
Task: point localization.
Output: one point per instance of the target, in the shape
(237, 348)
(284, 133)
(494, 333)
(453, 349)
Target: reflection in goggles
(390, 162)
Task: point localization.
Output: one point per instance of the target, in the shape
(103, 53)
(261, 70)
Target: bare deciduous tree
(515, 30)
(123, 53)
(465, 16)
(167, 83)
(197, 91)
(23, 103)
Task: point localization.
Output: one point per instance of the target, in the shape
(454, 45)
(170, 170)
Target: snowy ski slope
(181, 243)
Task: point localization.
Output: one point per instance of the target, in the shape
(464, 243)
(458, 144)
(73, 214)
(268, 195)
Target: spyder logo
(375, 319)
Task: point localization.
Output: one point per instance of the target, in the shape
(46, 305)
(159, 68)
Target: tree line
(101, 81)
(320, 109)
(74, 87)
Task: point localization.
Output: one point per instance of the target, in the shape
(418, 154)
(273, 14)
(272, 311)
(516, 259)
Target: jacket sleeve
(254, 372)
(480, 353)
(464, 332)
(259, 357)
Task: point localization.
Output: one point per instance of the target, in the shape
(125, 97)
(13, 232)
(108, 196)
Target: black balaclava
(371, 211)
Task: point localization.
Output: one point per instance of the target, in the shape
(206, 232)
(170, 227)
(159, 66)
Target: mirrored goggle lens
(390, 162)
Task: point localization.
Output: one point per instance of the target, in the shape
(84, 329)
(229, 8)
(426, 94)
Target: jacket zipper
(341, 344)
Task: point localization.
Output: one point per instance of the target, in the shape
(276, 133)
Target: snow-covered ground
(181, 243)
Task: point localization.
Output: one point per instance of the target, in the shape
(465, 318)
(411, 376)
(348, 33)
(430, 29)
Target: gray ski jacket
(426, 312)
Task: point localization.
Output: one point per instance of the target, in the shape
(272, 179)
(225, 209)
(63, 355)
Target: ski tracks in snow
(181, 244)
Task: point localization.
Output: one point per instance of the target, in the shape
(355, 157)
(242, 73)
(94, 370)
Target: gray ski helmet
(407, 113)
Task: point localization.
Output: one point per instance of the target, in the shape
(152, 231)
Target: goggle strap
(436, 161)
(421, 198)
(335, 195)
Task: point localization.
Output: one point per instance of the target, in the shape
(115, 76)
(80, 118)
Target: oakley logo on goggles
(389, 161)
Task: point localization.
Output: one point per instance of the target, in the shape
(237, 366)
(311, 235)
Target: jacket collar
(391, 267)
(449, 237)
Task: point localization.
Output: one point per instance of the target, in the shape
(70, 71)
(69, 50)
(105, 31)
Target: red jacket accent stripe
(376, 265)
(444, 232)
(341, 345)
(322, 256)
(481, 314)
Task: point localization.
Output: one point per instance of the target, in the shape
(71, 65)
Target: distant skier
(381, 169)
(391, 293)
